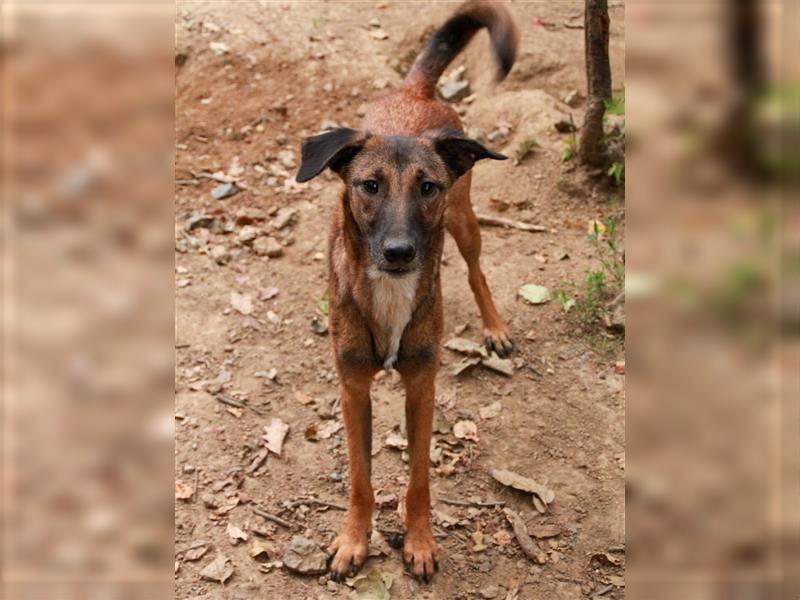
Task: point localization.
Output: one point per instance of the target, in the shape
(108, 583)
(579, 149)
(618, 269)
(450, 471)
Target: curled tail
(455, 34)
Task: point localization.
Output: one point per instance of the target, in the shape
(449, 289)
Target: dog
(407, 178)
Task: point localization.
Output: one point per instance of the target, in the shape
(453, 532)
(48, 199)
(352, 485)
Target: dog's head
(396, 186)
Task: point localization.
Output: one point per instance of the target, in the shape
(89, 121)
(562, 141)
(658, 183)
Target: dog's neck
(388, 302)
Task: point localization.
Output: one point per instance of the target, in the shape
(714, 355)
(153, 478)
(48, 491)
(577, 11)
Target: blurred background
(712, 290)
(87, 418)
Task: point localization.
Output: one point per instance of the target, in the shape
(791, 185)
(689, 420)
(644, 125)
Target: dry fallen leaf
(396, 440)
(235, 534)
(303, 398)
(329, 428)
(275, 434)
(509, 478)
(477, 538)
(466, 430)
(501, 365)
(220, 569)
(491, 411)
(262, 550)
(197, 551)
(242, 303)
(465, 346)
(534, 294)
(464, 364)
(183, 491)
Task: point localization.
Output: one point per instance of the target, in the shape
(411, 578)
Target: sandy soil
(242, 108)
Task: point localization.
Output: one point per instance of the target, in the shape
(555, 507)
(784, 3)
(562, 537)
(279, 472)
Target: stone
(454, 90)
(247, 234)
(572, 98)
(490, 591)
(220, 254)
(268, 246)
(304, 557)
(284, 217)
(224, 190)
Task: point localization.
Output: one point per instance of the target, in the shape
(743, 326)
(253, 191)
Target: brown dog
(406, 178)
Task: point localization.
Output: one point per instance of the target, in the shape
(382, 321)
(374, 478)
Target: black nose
(396, 252)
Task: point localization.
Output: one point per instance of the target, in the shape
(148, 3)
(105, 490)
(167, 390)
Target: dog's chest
(392, 306)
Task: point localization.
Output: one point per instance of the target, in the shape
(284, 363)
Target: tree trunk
(598, 76)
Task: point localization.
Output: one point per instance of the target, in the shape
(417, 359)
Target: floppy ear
(332, 149)
(460, 153)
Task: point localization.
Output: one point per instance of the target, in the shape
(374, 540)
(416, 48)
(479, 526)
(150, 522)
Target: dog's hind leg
(463, 225)
(419, 548)
(351, 546)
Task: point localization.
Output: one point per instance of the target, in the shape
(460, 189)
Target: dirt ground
(252, 79)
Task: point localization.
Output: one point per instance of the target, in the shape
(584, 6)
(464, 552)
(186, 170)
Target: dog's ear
(332, 149)
(460, 153)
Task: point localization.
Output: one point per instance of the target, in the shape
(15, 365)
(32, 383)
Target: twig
(187, 182)
(509, 224)
(212, 176)
(229, 401)
(478, 504)
(196, 485)
(270, 517)
(181, 346)
(300, 501)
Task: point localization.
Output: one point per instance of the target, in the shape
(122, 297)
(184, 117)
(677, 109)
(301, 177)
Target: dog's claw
(499, 341)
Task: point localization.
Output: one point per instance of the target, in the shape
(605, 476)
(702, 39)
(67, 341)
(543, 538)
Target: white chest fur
(392, 305)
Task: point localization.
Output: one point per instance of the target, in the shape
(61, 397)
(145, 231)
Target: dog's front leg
(351, 546)
(419, 550)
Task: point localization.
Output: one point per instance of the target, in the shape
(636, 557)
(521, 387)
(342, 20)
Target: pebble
(247, 234)
(304, 557)
(284, 217)
(220, 254)
(224, 190)
(374, 22)
(281, 139)
(490, 591)
(362, 109)
(268, 246)
(454, 90)
(335, 476)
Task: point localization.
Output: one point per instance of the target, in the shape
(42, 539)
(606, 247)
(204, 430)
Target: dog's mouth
(397, 271)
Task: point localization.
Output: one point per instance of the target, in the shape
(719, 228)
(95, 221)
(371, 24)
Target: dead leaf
(606, 557)
(464, 364)
(525, 484)
(478, 545)
(378, 546)
(267, 293)
(329, 428)
(540, 506)
(275, 434)
(501, 365)
(465, 346)
(303, 398)
(374, 586)
(466, 430)
(396, 440)
(491, 411)
(197, 551)
(545, 531)
(529, 547)
(242, 303)
(617, 581)
(183, 491)
(262, 550)
(311, 433)
(235, 534)
(220, 569)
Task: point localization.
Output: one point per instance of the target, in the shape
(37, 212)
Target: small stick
(509, 223)
(270, 517)
(315, 501)
(229, 401)
(478, 504)
(196, 485)
(187, 182)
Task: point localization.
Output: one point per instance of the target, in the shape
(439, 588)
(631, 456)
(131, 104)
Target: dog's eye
(370, 186)
(428, 189)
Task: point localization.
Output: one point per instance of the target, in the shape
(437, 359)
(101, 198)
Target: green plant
(616, 104)
(561, 297)
(525, 147)
(570, 148)
(323, 304)
(617, 172)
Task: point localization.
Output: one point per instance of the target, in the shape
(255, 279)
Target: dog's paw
(498, 340)
(349, 552)
(419, 553)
